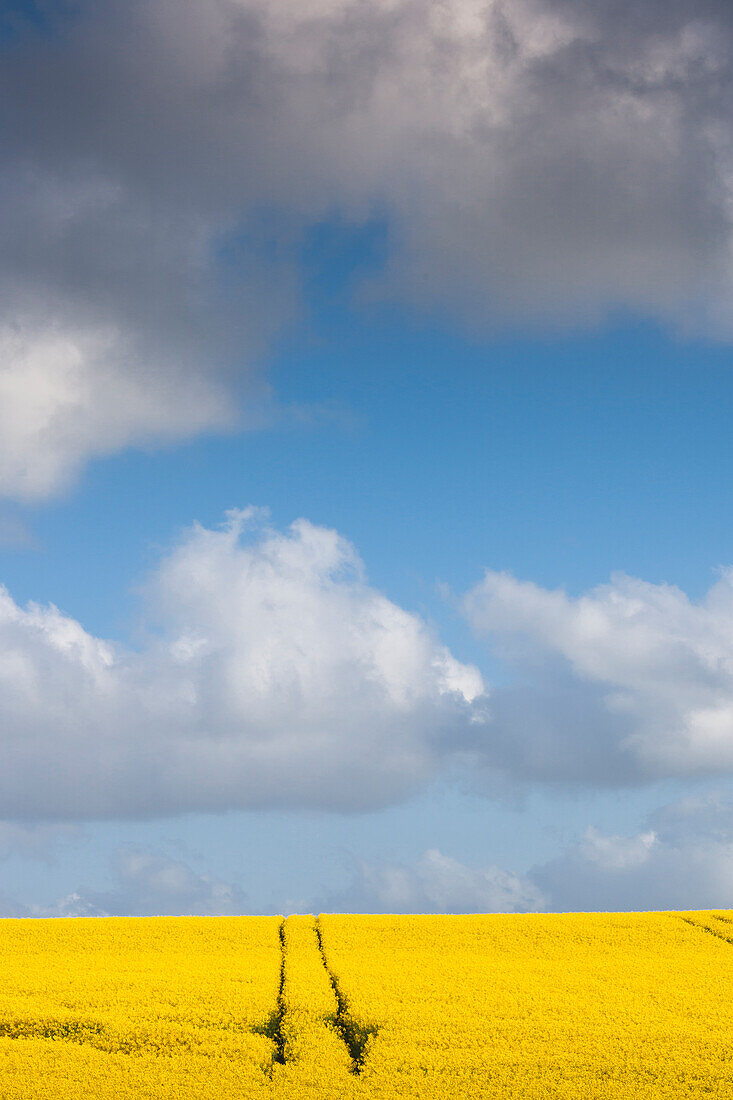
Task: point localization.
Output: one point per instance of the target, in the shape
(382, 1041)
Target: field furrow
(716, 924)
(316, 1061)
(355, 1033)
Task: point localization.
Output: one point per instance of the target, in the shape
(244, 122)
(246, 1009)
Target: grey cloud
(535, 160)
(546, 726)
(695, 819)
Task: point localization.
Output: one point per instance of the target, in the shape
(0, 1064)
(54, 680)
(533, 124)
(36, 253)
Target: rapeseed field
(375, 1007)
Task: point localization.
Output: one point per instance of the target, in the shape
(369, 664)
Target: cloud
(682, 860)
(149, 884)
(532, 160)
(144, 884)
(271, 675)
(627, 683)
(436, 883)
(69, 392)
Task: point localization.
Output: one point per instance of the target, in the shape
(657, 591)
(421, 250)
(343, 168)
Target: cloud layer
(682, 859)
(144, 884)
(436, 883)
(272, 675)
(627, 683)
(532, 160)
(148, 884)
(269, 673)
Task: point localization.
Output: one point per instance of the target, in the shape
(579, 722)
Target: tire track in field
(706, 928)
(278, 1036)
(354, 1034)
(273, 1026)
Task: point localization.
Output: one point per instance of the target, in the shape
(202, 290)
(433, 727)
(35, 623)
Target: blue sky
(439, 350)
(560, 460)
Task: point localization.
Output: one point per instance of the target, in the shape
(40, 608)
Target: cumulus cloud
(683, 859)
(144, 884)
(626, 683)
(272, 674)
(436, 883)
(68, 393)
(148, 884)
(531, 159)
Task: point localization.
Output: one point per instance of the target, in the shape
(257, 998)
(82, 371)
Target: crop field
(378, 1007)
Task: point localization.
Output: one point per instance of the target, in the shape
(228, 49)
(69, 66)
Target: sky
(366, 537)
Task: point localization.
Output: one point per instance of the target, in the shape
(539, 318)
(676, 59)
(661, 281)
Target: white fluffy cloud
(683, 859)
(69, 393)
(147, 884)
(162, 161)
(144, 884)
(628, 682)
(273, 675)
(436, 883)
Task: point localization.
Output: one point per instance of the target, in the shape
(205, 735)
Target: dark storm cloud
(536, 160)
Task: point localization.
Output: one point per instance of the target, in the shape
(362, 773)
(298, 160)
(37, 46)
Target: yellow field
(164, 1006)
(568, 1006)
